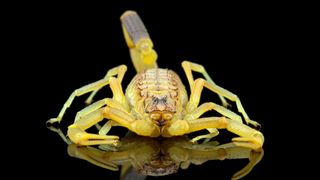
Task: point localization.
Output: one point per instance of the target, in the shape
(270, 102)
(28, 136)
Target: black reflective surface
(139, 157)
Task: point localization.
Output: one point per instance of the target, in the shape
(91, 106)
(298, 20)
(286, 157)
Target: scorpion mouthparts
(161, 122)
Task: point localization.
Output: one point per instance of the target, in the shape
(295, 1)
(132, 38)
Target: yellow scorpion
(155, 102)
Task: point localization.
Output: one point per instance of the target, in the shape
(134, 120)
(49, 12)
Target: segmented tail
(142, 54)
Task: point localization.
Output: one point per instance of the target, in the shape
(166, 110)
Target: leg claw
(52, 121)
(254, 123)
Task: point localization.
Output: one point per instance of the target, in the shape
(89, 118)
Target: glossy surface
(139, 157)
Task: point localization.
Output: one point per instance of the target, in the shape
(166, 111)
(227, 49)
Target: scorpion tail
(142, 54)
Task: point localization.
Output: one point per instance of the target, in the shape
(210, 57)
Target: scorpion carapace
(161, 94)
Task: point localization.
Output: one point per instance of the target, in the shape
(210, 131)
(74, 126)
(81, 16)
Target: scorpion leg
(60, 133)
(93, 107)
(90, 109)
(118, 71)
(194, 112)
(188, 67)
(119, 100)
(213, 132)
(106, 127)
(78, 92)
(249, 137)
(232, 97)
(115, 85)
(138, 40)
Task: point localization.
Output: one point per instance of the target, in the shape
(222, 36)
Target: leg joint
(224, 122)
(185, 63)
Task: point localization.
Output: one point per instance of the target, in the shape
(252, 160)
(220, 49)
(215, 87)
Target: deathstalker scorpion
(155, 102)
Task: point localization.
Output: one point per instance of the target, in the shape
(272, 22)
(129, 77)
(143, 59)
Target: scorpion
(156, 103)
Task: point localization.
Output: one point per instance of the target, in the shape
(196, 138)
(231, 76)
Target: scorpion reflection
(159, 157)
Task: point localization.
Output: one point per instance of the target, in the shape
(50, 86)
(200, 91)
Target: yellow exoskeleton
(155, 102)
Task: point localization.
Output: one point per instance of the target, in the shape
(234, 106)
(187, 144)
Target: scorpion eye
(155, 100)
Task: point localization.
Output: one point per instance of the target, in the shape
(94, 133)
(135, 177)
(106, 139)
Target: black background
(247, 49)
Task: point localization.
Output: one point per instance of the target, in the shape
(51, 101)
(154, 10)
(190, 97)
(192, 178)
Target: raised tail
(142, 54)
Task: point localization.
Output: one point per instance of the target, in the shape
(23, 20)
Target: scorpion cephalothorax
(161, 91)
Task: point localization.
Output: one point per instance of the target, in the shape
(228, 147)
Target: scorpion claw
(254, 142)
